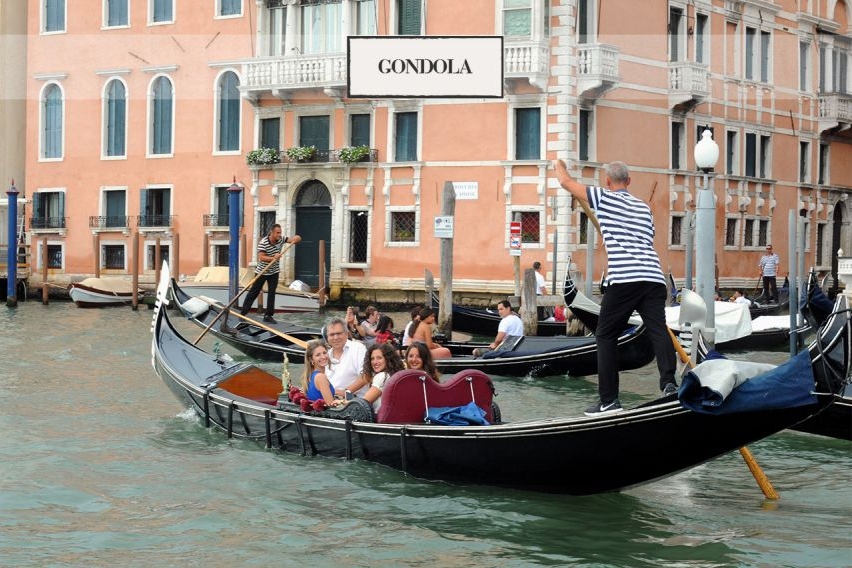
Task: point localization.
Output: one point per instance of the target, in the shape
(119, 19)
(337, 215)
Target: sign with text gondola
(424, 66)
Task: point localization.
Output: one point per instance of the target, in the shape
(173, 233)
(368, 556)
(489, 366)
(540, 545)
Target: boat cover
(732, 320)
(722, 386)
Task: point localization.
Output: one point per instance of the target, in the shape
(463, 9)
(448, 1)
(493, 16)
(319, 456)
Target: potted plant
(301, 153)
(353, 154)
(263, 157)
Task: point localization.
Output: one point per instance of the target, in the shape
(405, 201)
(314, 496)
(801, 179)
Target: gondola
(761, 307)
(736, 328)
(256, 341)
(102, 292)
(571, 455)
(484, 321)
(516, 357)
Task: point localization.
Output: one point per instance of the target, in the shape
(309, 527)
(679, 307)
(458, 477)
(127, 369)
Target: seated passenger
(315, 383)
(740, 298)
(380, 363)
(510, 325)
(368, 326)
(422, 332)
(415, 317)
(419, 358)
(384, 331)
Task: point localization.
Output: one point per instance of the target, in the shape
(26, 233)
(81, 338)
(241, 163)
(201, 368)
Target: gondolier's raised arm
(577, 189)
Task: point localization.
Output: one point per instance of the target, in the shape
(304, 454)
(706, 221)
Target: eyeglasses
(335, 333)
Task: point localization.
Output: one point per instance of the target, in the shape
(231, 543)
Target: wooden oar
(294, 340)
(752, 464)
(296, 239)
(756, 286)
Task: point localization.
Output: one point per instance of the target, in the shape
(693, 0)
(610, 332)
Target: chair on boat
(408, 393)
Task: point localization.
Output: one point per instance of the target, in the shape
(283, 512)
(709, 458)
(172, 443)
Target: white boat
(100, 292)
(212, 282)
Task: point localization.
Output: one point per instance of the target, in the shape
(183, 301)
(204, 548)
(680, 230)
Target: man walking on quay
(268, 251)
(768, 264)
(635, 279)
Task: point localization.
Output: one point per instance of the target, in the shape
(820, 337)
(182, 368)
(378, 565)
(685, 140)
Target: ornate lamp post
(706, 155)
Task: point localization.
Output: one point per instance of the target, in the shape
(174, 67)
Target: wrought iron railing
(373, 156)
(47, 222)
(154, 220)
(109, 222)
(218, 220)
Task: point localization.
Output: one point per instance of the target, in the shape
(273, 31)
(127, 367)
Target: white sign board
(466, 189)
(424, 66)
(515, 245)
(444, 227)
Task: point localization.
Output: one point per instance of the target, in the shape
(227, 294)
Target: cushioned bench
(404, 401)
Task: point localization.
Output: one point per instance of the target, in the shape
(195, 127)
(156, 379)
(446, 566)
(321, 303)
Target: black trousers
(619, 302)
(254, 291)
(770, 288)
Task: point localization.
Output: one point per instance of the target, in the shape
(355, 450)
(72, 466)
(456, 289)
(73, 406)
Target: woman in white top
(380, 363)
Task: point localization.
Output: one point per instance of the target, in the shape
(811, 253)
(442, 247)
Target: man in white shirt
(510, 326)
(540, 290)
(739, 298)
(345, 358)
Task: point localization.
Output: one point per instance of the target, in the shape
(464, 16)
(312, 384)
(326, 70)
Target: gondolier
(769, 271)
(635, 279)
(268, 252)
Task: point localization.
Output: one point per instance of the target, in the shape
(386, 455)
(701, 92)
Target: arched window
(228, 98)
(162, 109)
(51, 120)
(115, 119)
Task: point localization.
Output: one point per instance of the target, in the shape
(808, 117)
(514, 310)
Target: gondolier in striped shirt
(769, 271)
(635, 279)
(268, 251)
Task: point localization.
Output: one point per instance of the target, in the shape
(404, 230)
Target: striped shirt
(269, 249)
(628, 232)
(769, 264)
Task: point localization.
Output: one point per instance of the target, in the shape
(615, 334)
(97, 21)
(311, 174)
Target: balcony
(48, 223)
(527, 61)
(154, 222)
(597, 70)
(218, 221)
(689, 84)
(280, 76)
(109, 223)
(835, 112)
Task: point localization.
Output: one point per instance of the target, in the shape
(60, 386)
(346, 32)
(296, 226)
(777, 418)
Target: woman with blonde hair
(315, 383)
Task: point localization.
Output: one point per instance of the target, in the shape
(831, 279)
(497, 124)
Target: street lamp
(706, 155)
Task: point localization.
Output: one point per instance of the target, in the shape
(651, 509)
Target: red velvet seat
(403, 400)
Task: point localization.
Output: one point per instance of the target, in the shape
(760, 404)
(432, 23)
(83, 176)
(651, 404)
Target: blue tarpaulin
(786, 386)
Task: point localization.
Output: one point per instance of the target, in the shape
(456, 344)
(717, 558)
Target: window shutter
(409, 17)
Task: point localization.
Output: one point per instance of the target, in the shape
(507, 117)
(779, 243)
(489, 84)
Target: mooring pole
(234, 239)
(12, 256)
(445, 294)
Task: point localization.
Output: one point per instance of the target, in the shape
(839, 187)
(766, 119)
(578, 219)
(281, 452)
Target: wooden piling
(45, 292)
(96, 246)
(205, 251)
(322, 283)
(134, 269)
(529, 305)
(174, 256)
(158, 259)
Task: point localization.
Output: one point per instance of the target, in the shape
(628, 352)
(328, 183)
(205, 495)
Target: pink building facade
(141, 114)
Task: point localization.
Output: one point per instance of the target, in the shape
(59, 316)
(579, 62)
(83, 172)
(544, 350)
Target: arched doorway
(836, 226)
(313, 224)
